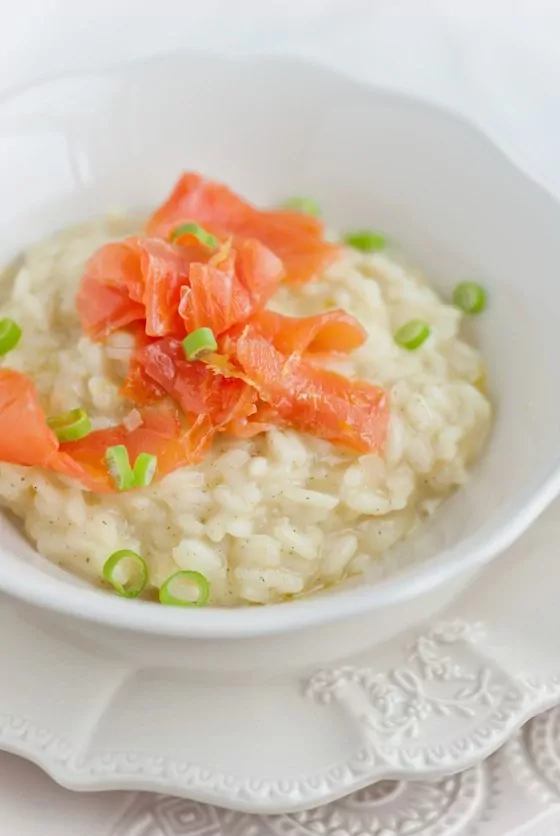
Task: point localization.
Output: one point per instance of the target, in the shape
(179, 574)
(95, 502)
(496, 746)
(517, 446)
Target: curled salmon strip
(230, 288)
(313, 399)
(251, 387)
(263, 419)
(105, 307)
(26, 439)
(174, 289)
(138, 387)
(160, 434)
(331, 332)
(296, 238)
(135, 279)
(197, 388)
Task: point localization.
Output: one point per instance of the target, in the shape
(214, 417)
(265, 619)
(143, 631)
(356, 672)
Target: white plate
(515, 791)
(431, 702)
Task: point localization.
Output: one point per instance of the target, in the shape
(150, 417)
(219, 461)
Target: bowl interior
(72, 148)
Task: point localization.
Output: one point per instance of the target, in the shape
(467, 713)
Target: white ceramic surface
(71, 147)
(516, 791)
(433, 701)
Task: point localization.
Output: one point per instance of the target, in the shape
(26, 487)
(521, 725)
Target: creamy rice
(274, 516)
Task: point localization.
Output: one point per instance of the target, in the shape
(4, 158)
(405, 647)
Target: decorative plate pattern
(486, 800)
(388, 808)
(441, 678)
(441, 707)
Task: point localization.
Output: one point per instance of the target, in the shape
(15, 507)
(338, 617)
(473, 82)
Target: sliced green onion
(118, 465)
(144, 469)
(365, 240)
(10, 334)
(71, 425)
(470, 297)
(198, 343)
(185, 581)
(413, 334)
(127, 572)
(303, 204)
(197, 231)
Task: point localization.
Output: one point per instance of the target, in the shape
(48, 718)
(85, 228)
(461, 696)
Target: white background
(497, 61)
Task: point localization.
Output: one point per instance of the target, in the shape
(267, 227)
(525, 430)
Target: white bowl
(72, 147)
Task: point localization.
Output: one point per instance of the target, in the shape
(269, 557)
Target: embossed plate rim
(521, 698)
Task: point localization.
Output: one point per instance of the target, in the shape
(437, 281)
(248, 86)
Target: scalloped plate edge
(274, 801)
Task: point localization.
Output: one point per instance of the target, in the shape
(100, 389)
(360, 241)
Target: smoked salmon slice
(233, 285)
(174, 289)
(263, 419)
(265, 369)
(297, 239)
(105, 307)
(251, 387)
(138, 387)
(195, 386)
(135, 279)
(330, 332)
(26, 439)
(314, 400)
(160, 434)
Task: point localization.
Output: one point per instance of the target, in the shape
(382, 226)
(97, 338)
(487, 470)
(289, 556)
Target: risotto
(279, 513)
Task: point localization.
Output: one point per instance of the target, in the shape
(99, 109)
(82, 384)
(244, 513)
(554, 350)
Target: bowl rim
(96, 606)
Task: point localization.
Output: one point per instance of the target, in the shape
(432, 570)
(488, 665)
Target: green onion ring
(413, 334)
(70, 426)
(118, 465)
(201, 234)
(306, 205)
(144, 469)
(195, 578)
(198, 343)
(470, 297)
(126, 588)
(365, 240)
(10, 334)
